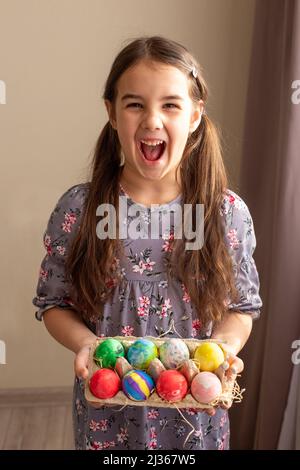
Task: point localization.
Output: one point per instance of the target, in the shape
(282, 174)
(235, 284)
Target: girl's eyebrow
(170, 97)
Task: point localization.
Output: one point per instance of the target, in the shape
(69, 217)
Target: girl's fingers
(221, 370)
(233, 366)
(236, 365)
(81, 362)
(227, 373)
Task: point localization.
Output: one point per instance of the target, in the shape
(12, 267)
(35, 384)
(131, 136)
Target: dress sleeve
(53, 289)
(241, 242)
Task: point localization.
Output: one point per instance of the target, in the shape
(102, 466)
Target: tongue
(152, 152)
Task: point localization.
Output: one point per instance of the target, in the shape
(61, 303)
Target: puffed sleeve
(241, 242)
(53, 287)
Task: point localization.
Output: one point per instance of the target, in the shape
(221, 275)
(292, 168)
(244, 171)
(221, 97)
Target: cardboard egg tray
(154, 400)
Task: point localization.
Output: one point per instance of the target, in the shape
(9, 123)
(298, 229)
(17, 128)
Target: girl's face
(153, 105)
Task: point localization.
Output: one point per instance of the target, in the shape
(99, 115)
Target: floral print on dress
(142, 262)
(186, 297)
(169, 240)
(145, 303)
(127, 330)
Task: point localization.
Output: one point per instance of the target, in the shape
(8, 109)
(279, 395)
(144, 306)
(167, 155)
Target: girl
(158, 147)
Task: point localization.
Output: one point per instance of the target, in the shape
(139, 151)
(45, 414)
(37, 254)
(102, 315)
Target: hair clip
(194, 72)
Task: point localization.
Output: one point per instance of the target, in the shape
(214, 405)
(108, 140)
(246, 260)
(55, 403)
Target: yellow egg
(209, 356)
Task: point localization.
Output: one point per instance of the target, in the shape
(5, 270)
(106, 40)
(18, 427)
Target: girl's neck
(148, 192)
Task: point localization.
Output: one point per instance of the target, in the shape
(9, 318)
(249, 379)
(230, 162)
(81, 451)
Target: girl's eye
(171, 104)
(139, 104)
(133, 104)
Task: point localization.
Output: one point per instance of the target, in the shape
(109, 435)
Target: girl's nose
(152, 121)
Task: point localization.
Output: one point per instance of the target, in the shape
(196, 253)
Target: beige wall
(54, 58)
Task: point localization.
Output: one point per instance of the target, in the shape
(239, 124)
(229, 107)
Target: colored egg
(155, 368)
(141, 353)
(171, 385)
(173, 352)
(137, 385)
(105, 383)
(206, 387)
(106, 353)
(209, 356)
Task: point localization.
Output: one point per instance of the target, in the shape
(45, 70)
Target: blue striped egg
(137, 385)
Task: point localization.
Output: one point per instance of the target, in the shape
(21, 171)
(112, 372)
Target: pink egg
(206, 387)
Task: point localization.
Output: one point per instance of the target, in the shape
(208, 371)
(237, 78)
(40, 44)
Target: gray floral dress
(145, 303)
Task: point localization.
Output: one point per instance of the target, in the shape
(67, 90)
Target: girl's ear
(196, 115)
(110, 112)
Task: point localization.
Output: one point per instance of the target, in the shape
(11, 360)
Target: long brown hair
(92, 263)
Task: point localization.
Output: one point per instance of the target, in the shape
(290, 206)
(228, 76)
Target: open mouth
(152, 152)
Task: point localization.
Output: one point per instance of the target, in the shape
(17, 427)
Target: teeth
(153, 143)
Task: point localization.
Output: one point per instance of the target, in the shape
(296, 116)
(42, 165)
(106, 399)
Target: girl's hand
(227, 373)
(81, 362)
(81, 368)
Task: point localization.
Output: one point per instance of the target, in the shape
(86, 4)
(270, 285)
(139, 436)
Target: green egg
(107, 352)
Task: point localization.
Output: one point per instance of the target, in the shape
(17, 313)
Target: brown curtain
(270, 185)
(289, 438)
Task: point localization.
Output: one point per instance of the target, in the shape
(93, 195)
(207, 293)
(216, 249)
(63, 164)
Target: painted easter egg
(106, 353)
(206, 387)
(141, 353)
(137, 385)
(173, 352)
(105, 383)
(172, 385)
(209, 356)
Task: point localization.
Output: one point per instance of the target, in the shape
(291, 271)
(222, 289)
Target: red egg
(105, 383)
(171, 385)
